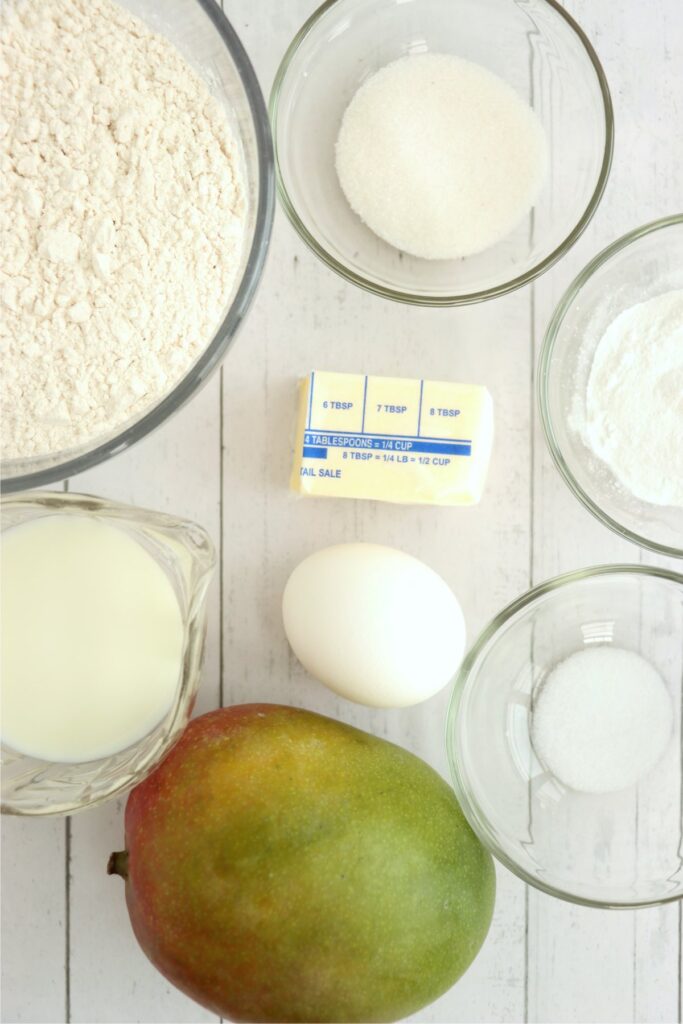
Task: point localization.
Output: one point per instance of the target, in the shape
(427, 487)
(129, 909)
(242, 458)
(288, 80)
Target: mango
(282, 866)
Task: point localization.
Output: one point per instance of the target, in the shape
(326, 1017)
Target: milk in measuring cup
(91, 636)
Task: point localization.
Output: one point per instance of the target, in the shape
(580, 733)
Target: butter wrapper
(408, 441)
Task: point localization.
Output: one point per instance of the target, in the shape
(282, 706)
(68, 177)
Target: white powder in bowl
(634, 399)
(121, 218)
(440, 157)
(602, 719)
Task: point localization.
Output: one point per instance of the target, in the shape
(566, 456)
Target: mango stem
(118, 864)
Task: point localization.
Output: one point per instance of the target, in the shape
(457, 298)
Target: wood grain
(587, 965)
(68, 952)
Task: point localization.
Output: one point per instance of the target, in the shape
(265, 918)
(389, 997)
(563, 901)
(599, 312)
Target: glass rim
(95, 504)
(224, 336)
(547, 351)
(466, 798)
(466, 298)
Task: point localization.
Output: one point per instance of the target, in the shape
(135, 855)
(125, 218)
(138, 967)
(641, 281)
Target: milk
(91, 637)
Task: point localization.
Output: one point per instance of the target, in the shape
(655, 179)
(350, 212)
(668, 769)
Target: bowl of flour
(135, 216)
(610, 385)
(440, 152)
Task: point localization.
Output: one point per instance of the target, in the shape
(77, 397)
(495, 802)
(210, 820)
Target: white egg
(374, 624)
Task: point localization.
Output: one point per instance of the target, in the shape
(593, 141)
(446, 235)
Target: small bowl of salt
(564, 736)
(440, 152)
(610, 386)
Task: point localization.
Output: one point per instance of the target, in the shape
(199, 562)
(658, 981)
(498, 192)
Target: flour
(634, 399)
(121, 220)
(440, 157)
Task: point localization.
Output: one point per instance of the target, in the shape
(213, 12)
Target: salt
(440, 157)
(601, 720)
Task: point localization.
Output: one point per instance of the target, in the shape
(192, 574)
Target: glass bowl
(619, 849)
(642, 264)
(535, 46)
(186, 554)
(205, 38)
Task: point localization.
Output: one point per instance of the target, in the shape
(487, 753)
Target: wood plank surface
(68, 951)
(588, 965)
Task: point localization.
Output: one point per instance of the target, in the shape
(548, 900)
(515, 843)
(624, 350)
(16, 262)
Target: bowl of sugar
(440, 152)
(610, 386)
(102, 623)
(564, 736)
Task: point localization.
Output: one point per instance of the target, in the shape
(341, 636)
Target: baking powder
(634, 400)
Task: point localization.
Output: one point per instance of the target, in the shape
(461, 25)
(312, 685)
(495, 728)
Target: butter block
(392, 439)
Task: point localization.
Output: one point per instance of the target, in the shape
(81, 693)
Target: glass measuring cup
(186, 554)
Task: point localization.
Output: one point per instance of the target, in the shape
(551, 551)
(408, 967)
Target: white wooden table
(68, 950)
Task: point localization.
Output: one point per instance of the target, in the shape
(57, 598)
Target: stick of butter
(392, 439)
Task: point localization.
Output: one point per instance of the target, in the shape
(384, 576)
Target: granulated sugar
(634, 399)
(122, 219)
(602, 719)
(439, 156)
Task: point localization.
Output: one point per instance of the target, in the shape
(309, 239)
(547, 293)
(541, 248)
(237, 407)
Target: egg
(374, 624)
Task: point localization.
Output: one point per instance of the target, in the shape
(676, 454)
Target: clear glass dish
(618, 849)
(534, 45)
(205, 38)
(642, 264)
(186, 554)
